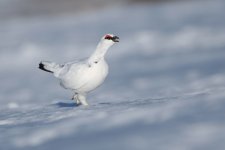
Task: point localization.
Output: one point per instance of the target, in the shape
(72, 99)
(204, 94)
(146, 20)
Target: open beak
(115, 39)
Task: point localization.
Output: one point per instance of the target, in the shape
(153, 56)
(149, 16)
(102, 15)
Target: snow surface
(165, 89)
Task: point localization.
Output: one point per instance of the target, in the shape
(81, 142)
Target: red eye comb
(108, 36)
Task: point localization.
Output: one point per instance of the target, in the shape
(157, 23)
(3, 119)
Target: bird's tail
(49, 66)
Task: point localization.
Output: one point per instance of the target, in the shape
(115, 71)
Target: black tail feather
(42, 67)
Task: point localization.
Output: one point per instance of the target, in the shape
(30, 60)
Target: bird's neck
(99, 53)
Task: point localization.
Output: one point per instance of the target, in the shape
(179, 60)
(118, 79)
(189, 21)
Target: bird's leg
(75, 97)
(82, 99)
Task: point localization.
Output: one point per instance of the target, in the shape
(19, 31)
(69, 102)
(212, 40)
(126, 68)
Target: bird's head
(110, 39)
(105, 43)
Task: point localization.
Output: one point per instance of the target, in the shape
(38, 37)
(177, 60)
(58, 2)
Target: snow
(165, 88)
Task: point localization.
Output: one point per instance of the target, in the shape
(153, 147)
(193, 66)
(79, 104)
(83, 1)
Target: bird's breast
(96, 75)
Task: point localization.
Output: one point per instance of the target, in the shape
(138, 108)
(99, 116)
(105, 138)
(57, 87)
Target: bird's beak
(115, 39)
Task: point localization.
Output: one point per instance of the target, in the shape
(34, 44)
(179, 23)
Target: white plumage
(86, 75)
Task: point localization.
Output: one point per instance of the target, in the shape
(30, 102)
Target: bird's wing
(72, 75)
(66, 67)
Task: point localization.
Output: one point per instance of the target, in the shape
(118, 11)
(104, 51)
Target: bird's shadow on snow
(66, 104)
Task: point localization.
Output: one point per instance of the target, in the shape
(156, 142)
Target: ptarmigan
(86, 75)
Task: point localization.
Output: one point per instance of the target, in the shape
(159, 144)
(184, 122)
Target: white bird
(86, 75)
